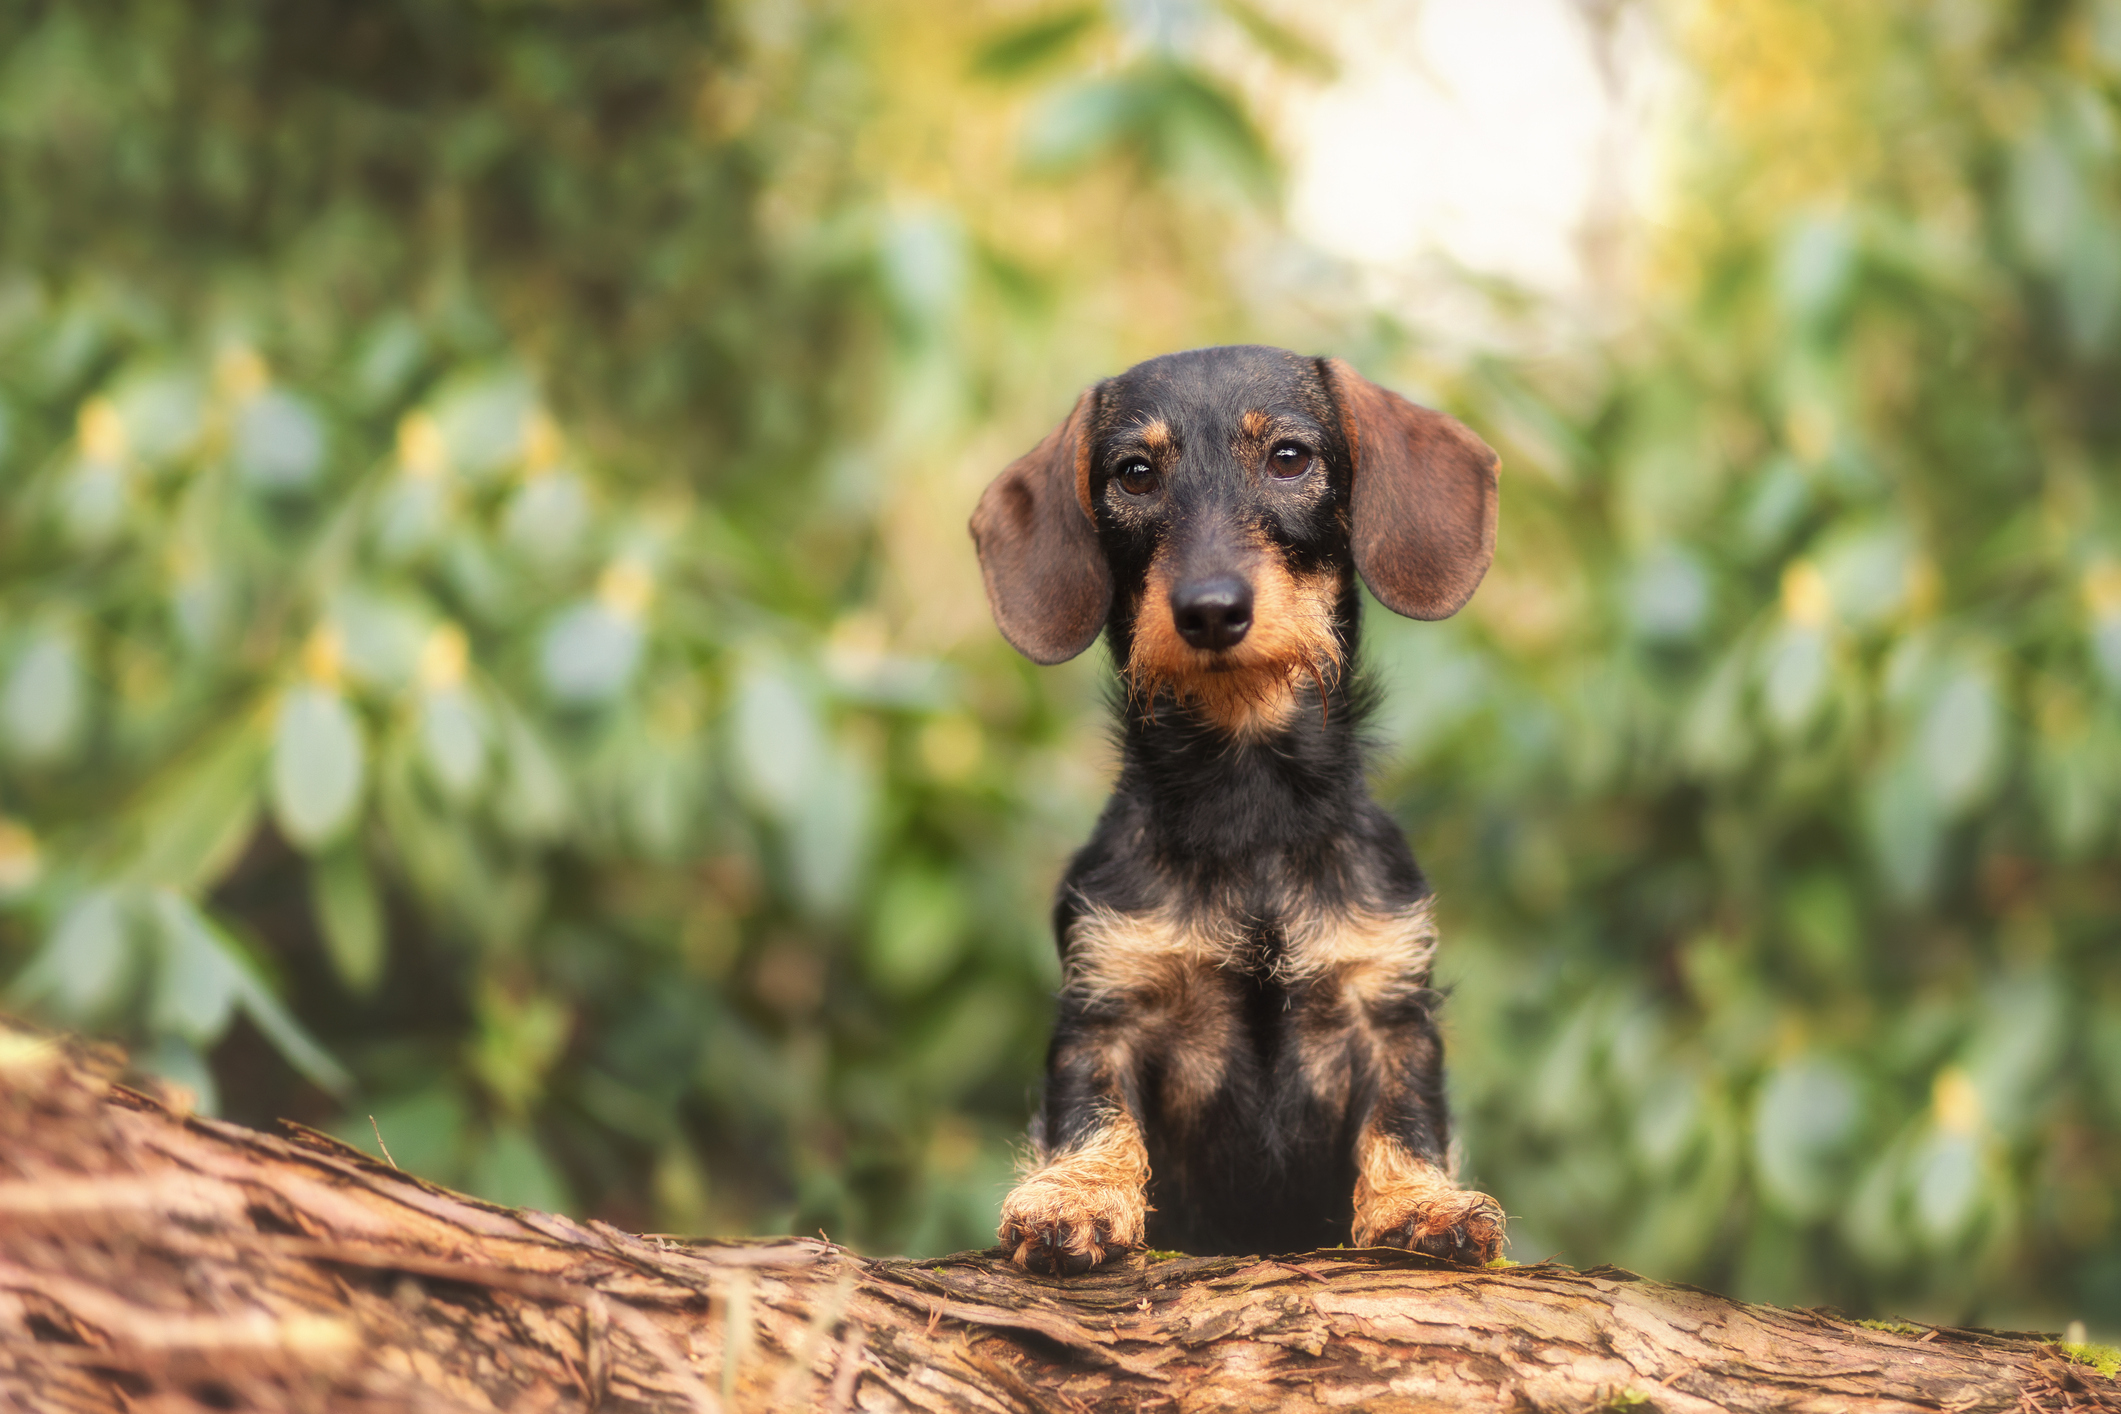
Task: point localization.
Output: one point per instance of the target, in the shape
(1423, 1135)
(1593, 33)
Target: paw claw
(1453, 1225)
(1050, 1229)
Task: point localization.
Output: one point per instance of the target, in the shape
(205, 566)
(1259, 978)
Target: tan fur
(1254, 424)
(1401, 1199)
(1251, 689)
(1358, 960)
(1088, 1201)
(1365, 951)
(1167, 973)
(1139, 957)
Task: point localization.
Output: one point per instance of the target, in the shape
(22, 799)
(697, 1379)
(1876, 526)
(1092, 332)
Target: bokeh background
(490, 656)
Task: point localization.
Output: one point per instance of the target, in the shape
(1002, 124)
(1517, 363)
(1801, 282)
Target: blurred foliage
(478, 559)
(1772, 782)
(487, 640)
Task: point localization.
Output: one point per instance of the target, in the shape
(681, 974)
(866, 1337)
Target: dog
(1245, 1057)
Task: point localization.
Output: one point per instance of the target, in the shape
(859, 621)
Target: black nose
(1212, 613)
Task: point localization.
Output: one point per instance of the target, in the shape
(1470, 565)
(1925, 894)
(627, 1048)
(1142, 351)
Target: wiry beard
(1251, 688)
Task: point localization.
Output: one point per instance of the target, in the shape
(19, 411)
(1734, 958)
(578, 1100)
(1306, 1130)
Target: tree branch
(153, 1257)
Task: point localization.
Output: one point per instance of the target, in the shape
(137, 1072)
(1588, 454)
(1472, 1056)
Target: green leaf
(317, 764)
(534, 804)
(548, 517)
(1906, 830)
(207, 971)
(1814, 266)
(1948, 1188)
(778, 742)
(290, 1040)
(453, 742)
(1079, 121)
(2105, 634)
(161, 413)
(662, 804)
(1803, 1127)
(1668, 596)
(411, 514)
(1796, 671)
(1199, 125)
(82, 968)
(381, 632)
(1866, 573)
(923, 259)
(2019, 1046)
(93, 500)
(278, 444)
(1960, 741)
(388, 356)
(197, 817)
(512, 1170)
(1019, 49)
(43, 705)
(589, 654)
(349, 915)
(1824, 919)
(830, 833)
(483, 421)
(198, 981)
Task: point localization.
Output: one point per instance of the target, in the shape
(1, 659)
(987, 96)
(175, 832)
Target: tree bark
(154, 1259)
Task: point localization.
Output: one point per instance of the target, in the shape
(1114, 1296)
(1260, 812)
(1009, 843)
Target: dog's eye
(1289, 460)
(1136, 477)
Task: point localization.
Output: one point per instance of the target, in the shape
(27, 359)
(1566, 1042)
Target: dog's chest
(1146, 955)
(1211, 999)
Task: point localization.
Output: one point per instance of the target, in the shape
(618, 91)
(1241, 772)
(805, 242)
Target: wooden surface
(155, 1261)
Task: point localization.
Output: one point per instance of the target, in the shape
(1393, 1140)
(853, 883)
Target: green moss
(1156, 1256)
(1896, 1327)
(1624, 1399)
(2106, 1359)
(1500, 1264)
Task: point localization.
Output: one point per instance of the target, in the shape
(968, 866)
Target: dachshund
(1245, 1057)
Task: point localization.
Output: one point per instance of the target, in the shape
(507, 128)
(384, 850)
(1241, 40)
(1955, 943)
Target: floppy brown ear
(1422, 508)
(1047, 581)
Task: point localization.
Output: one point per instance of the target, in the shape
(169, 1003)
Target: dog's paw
(1456, 1224)
(1065, 1221)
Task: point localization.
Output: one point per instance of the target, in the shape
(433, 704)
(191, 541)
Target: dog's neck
(1225, 797)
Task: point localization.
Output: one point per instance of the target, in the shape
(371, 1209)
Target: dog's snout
(1212, 613)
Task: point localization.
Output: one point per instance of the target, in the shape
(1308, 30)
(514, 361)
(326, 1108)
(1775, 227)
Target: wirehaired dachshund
(1246, 1056)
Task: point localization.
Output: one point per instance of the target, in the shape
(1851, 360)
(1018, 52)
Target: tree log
(151, 1258)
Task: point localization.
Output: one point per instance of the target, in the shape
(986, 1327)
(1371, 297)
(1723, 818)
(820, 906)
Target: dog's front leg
(1084, 1201)
(1404, 1193)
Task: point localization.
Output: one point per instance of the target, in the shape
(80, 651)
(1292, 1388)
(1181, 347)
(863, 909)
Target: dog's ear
(1423, 502)
(1047, 581)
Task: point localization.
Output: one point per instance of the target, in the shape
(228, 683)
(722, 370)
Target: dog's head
(1209, 505)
